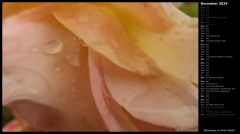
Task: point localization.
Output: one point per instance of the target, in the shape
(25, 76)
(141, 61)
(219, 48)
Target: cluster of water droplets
(54, 47)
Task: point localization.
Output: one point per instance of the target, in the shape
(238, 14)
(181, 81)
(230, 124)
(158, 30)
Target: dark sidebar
(218, 68)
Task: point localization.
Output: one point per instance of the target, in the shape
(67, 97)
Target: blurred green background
(190, 8)
(6, 115)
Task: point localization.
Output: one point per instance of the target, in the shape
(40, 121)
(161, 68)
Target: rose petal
(139, 37)
(113, 114)
(100, 29)
(46, 79)
(167, 42)
(11, 8)
(161, 100)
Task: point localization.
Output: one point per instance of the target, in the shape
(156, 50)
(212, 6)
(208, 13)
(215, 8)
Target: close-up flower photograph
(100, 66)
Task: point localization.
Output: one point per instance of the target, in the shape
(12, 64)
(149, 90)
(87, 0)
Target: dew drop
(73, 59)
(53, 47)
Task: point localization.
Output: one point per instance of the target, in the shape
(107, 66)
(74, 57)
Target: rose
(100, 66)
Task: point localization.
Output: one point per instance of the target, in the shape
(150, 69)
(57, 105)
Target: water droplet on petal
(53, 47)
(73, 59)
